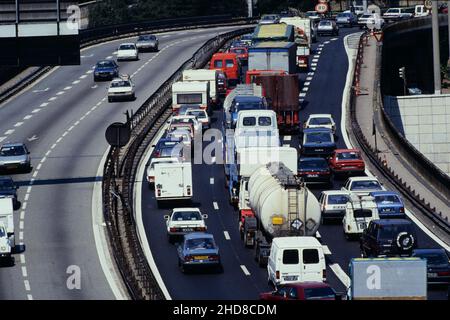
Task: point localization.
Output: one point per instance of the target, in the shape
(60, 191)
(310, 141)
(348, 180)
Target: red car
(347, 161)
(301, 291)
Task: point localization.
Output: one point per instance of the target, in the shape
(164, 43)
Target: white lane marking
(342, 276)
(24, 271)
(227, 235)
(10, 131)
(76, 82)
(315, 60)
(95, 86)
(59, 140)
(321, 45)
(36, 110)
(70, 129)
(52, 99)
(326, 42)
(60, 93)
(245, 270)
(22, 215)
(326, 250)
(211, 180)
(309, 78)
(109, 57)
(313, 68)
(20, 235)
(22, 258)
(67, 88)
(44, 104)
(76, 123)
(27, 117)
(314, 64)
(2, 138)
(48, 153)
(89, 71)
(334, 39)
(21, 224)
(29, 297)
(43, 159)
(39, 166)
(302, 94)
(305, 89)
(316, 56)
(24, 205)
(165, 36)
(215, 205)
(310, 73)
(18, 124)
(27, 285)
(65, 133)
(29, 189)
(287, 138)
(83, 76)
(307, 83)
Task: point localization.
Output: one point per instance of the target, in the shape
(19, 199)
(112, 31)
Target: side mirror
(166, 217)
(205, 216)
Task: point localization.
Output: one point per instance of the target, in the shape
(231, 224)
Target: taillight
(188, 258)
(324, 274)
(200, 229)
(188, 190)
(214, 258)
(173, 229)
(277, 275)
(158, 192)
(444, 273)
(151, 179)
(402, 210)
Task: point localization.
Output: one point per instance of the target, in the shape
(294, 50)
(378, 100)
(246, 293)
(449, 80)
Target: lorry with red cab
(229, 63)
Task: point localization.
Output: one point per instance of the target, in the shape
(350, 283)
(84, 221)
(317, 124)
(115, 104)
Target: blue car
(8, 189)
(390, 204)
(438, 265)
(241, 103)
(318, 142)
(198, 250)
(106, 70)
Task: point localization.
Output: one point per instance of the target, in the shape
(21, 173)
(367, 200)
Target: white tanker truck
(281, 206)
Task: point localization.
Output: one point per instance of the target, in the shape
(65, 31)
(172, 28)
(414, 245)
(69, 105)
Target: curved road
(62, 119)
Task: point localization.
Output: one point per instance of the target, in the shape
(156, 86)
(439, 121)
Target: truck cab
(230, 64)
(241, 103)
(360, 210)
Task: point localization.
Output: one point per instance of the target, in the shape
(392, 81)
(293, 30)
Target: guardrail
(118, 185)
(406, 190)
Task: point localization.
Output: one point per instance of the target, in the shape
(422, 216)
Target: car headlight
(3, 248)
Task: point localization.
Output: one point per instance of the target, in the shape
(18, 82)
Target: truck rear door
(312, 264)
(169, 181)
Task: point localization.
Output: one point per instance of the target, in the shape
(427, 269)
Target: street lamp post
(436, 53)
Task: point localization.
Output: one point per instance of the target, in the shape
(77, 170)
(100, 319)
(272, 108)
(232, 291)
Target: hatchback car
(201, 115)
(347, 19)
(362, 185)
(121, 89)
(15, 157)
(347, 161)
(183, 221)
(320, 121)
(150, 172)
(269, 19)
(301, 291)
(106, 70)
(333, 204)
(176, 121)
(327, 27)
(198, 250)
(438, 265)
(314, 170)
(147, 42)
(318, 142)
(168, 147)
(387, 238)
(8, 189)
(390, 204)
(181, 133)
(127, 51)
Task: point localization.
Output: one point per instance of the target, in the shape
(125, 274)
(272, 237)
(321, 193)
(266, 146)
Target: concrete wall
(425, 121)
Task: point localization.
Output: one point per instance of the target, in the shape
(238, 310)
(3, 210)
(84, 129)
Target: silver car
(147, 42)
(269, 19)
(327, 27)
(14, 156)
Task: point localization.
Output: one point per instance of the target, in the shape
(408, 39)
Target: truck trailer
(273, 56)
(303, 38)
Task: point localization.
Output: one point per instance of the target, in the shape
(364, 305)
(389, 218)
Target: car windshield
(362, 185)
(118, 84)
(200, 244)
(320, 121)
(338, 199)
(186, 216)
(12, 151)
(183, 120)
(391, 231)
(197, 113)
(314, 164)
(325, 23)
(268, 18)
(127, 47)
(343, 156)
(248, 106)
(433, 258)
(393, 10)
(318, 137)
(6, 185)
(105, 64)
(319, 293)
(387, 199)
(146, 38)
(365, 16)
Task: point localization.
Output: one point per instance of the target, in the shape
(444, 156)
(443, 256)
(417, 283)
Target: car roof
(311, 130)
(126, 44)
(336, 192)
(185, 209)
(365, 178)
(169, 139)
(13, 144)
(320, 115)
(347, 150)
(247, 98)
(297, 242)
(385, 222)
(384, 193)
(312, 158)
(198, 235)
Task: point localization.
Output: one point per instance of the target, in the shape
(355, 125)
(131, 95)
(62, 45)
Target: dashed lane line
(287, 138)
(245, 270)
(27, 117)
(211, 181)
(226, 235)
(2, 139)
(18, 124)
(342, 276)
(36, 110)
(215, 205)
(44, 104)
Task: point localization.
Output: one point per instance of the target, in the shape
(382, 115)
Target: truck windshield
(319, 293)
(362, 213)
(189, 98)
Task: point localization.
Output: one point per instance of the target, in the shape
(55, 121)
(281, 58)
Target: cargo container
(273, 56)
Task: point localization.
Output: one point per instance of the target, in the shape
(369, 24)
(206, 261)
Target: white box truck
(7, 237)
(303, 38)
(204, 75)
(173, 181)
(195, 93)
(273, 56)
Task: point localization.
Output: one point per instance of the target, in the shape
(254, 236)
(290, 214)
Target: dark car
(106, 70)
(318, 142)
(348, 19)
(314, 170)
(199, 250)
(242, 103)
(168, 147)
(390, 204)
(388, 238)
(438, 264)
(8, 189)
(301, 291)
(14, 157)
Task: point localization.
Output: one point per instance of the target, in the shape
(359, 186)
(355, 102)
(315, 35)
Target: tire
(110, 100)
(170, 239)
(220, 268)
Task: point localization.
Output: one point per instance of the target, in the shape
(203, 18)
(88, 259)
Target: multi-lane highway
(322, 91)
(62, 119)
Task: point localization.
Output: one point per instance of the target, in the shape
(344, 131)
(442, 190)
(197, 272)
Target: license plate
(201, 257)
(388, 210)
(187, 229)
(432, 274)
(319, 150)
(362, 225)
(13, 166)
(291, 278)
(312, 175)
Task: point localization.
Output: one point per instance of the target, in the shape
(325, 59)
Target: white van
(296, 259)
(173, 181)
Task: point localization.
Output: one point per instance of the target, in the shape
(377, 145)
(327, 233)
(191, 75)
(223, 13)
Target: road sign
(428, 4)
(321, 7)
(118, 134)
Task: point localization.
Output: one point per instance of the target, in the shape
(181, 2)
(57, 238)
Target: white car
(127, 51)
(370, 20)
(362, 185)
(360, 210)
(184, 134)
(186, 119)
(151, 168)
(5, 244)
(395, 14)
(201, 115)
(333, 204)
(320, 121)
(183, 221)
(121, 88)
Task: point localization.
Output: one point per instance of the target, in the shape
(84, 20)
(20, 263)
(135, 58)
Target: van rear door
(290, 265)
(313, 263)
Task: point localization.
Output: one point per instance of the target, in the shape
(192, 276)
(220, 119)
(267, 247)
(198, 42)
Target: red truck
(229, 64)
(251, 74)
(281, 92)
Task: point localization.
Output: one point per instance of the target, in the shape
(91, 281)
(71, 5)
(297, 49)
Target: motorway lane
(57, 216)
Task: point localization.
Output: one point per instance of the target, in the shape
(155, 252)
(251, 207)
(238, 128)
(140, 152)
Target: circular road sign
(428, 4)
(118, 134)
(321, 7)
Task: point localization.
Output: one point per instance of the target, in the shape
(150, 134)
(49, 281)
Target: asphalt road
(323, 95)
(62, 119)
